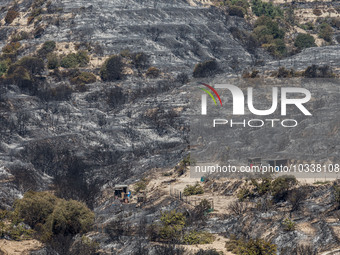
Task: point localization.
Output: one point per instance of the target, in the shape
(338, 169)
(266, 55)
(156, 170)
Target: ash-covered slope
(113, 131)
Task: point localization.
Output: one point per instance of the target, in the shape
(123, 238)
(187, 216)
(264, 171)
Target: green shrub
(267, 29)
(51, 216)
(69, 61)
(263, 186)
(141, 185)
(303, 41)
(288, 224)
(243, 247)
(19, 76)
(281, 185)
(52, 61)
(190, 190)
(46, 48)
(23, 35)
(10, 16)
(198, 237)
(35, 207)
(33, 64)
(34, 13)
(242, 3)
(326, 32)
(307, 26)
(208, 252)
(69, 218)
(266, 9)
(153, 72)
(3, 67)
(244, 193)
(112, 69)
(173, 223)
(83, 78)
(236, 11)
(73, 60)
(205, 69)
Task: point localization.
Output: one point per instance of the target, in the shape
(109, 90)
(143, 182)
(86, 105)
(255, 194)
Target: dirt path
(19, 247)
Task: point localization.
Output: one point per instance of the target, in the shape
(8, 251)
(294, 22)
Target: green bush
(83, 78)
(256, 247)
(46, 48)
(51, 216)
(22, 35)
(34, 13)
(244, 193)
(10, 16)
(73, 60)
(307, 26)
(190, 190)
(263, 186)
(236, 11)
(35, 207)
(242, 3)
(303, 41)
(208, 252)
(288, 224)
(19, 76)
(52, 61)
(3, 67)
(281, 185)
(326, 32)
(173, 223)
(141, 185)
(205, 69)
(267, 29)
(266, 9)
(198, 237)
(112, 69)
(69, 218)
(33, 64)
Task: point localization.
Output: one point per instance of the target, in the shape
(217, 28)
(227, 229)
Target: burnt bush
(153, 72)
(315, 71)
(206, 68)
(238, 207)
(140, 60)
(296, 197)
(10, 16)
(115, 97)
(24, 177)
(182, 78)
(236, 11)
(112, 69)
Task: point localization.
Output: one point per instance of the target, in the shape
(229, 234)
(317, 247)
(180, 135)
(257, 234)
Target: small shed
(121, 191)
(254, 161)
(278, 162)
